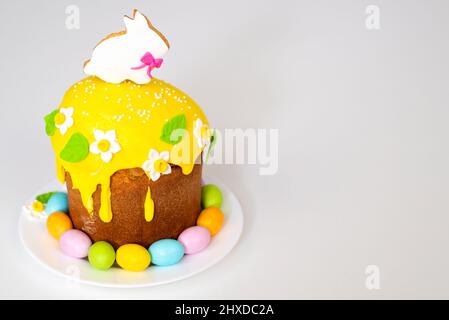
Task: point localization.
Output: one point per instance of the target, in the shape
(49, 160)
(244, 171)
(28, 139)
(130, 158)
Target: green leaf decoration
(176, 123)
(213, 141)
(44, 197)
(50, 127)
(76, 149)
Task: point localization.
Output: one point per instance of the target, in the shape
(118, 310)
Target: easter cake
(129, 147)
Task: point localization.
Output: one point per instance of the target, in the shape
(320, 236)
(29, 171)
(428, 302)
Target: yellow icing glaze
(149, 206)
(137, 113)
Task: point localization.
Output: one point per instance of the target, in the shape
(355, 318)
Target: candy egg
(57, 202)
(211, 196)
(133, 257)
(75, 243)
(58, 223)
(166, 252)
(194, 239)
(212, 219)
(101, 255)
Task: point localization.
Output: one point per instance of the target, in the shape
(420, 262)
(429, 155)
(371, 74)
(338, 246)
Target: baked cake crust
(177, 204)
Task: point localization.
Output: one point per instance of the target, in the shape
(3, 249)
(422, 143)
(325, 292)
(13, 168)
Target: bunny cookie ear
(129, 23)
(139, 23)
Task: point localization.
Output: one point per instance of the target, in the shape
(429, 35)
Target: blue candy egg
(57, 202)
(166, 252)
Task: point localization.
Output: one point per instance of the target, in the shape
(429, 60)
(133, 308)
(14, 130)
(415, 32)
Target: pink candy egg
(75, 243)
(194, 239)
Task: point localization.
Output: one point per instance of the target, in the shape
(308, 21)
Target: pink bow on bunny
(149, 61)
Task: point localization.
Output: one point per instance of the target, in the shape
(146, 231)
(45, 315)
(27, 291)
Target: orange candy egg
(58, 223)
(212, 219)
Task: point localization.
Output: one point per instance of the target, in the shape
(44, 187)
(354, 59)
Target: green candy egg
(101, 255)
(211, 196)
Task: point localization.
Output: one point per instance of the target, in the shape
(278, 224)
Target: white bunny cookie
(130, 54)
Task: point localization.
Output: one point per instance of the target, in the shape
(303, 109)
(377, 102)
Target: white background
(363, 154)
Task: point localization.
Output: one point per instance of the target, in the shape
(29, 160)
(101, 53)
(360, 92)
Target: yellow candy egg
(58, 223)
(133, 257)
(212, 219)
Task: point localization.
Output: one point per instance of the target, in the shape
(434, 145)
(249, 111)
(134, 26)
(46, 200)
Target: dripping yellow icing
(137, 113)
(149, 206)
(105, 205)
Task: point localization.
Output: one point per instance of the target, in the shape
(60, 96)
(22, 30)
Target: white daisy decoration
(105, 144)
(64, 119)
(157, 164)
(202, 133)
(35, 210)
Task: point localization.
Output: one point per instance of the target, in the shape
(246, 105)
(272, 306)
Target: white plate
(45, 249)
